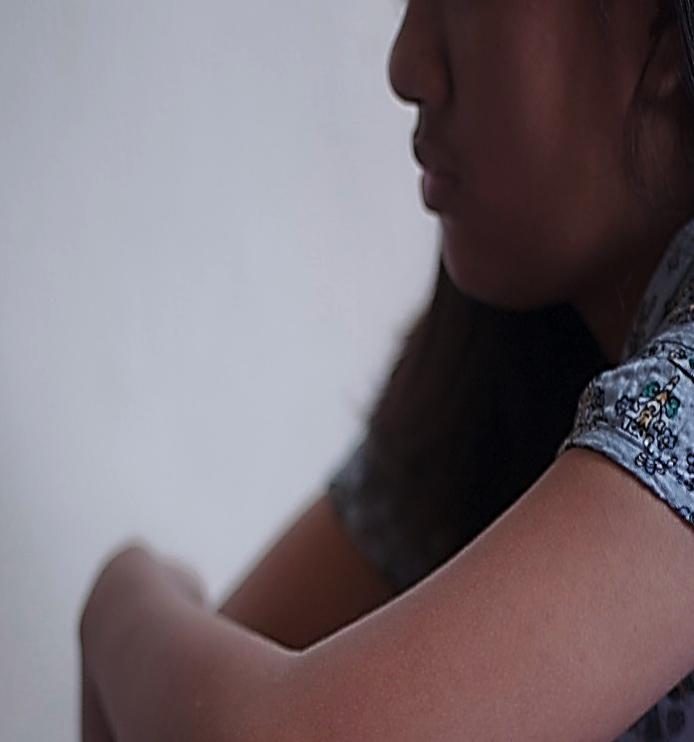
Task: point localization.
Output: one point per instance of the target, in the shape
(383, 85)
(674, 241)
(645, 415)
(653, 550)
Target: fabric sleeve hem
(668, 485)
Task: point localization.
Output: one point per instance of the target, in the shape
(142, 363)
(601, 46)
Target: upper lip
(429, 160)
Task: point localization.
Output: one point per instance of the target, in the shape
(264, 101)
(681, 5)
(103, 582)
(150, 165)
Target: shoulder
(566, 619)
(640, 415)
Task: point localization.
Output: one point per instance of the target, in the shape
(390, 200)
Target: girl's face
(526, 103)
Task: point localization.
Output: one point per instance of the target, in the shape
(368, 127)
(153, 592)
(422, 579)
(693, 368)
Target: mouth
(431, 162)
(438, 190)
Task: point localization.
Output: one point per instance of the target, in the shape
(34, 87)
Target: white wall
(211, 236)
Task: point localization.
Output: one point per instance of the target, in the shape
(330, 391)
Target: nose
(416, 67)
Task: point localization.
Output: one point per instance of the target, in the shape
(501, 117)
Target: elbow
(307, 704)
(291, 707)
(271, 708)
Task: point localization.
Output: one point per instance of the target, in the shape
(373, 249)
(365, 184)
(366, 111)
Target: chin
(508, 290)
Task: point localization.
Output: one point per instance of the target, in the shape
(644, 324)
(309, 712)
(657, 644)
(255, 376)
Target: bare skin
(310, 582)
(527, 103)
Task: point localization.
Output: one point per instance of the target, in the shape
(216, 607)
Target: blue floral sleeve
(640, 415)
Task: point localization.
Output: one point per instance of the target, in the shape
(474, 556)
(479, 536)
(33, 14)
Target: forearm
(309, 583)
(175, 671)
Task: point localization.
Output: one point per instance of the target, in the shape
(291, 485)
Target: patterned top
(638, 413)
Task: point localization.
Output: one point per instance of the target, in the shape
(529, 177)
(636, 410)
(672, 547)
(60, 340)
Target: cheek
(531, 169)
(490, 261)
(499, 241)
(527, 110)
(520, 146)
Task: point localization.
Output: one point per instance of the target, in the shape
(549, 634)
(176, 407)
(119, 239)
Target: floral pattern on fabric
(640, 414)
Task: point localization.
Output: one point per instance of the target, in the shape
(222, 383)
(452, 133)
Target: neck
(609, 308)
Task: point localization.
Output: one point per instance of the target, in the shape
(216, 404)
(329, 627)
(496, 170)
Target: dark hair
(470, 381)
(451, 422)
(449, 426)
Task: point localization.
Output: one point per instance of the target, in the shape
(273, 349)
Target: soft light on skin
(530, 103)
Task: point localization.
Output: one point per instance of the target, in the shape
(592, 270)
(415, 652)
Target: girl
(507, 554)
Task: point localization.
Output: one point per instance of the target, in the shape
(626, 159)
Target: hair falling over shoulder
(478, 399)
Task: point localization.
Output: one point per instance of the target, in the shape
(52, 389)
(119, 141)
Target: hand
(117, 585)
(129, 575)
(94, 723)
(111, 586)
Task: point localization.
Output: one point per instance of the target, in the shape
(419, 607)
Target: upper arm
(566, 619)
(309, 583)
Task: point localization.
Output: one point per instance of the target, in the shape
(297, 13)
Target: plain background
(212, 238)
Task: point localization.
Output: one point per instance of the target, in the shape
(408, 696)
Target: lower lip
(438, 190)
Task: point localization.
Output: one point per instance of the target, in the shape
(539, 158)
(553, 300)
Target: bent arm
(528, 633)
(168, 668)
(311, 582)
